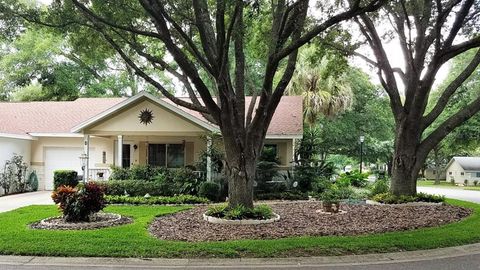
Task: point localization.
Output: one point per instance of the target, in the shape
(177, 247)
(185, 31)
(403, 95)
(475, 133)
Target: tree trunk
(240, 181)
(407, 161)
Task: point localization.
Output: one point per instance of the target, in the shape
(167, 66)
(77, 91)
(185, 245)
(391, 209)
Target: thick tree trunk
(240, 181)
(407, 161)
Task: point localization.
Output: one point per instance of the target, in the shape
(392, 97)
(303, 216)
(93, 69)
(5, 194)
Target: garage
(65, 158)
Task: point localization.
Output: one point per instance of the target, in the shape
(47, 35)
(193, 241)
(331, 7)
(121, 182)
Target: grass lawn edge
(18, 239)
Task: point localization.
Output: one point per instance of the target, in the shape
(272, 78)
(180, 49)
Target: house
(142, 129)
(463, 168)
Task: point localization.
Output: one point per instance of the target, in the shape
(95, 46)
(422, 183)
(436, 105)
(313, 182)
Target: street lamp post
(362, 139)
(84, 160)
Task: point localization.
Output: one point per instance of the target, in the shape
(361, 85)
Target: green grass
(444, 184)
(133, 240)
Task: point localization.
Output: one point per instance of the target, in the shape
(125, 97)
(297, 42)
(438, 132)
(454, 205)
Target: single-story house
(142, 129)
(463, 168)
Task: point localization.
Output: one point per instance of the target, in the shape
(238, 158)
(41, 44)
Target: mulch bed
(302, 219)
(101, 220)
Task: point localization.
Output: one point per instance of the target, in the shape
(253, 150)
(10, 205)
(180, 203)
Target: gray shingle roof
(469, 163)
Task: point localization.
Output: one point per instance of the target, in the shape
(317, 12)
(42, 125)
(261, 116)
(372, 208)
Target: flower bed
(97, 221)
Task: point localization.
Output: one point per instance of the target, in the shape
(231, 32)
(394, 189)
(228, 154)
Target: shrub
(180, 199)
(335, 194)
(79, 204)
(452, 182)
(321, 184)
(240, 212)
(146, 172)
(13, 179)
(389, 198)
(380, 186)
(465, 182)
(288, 195)
(266, 170)
(354, 178)
(119, 173)
(209, 190)
(65, 178)
(184, 181)
(33, 181)
(134, 187)
(475, 182)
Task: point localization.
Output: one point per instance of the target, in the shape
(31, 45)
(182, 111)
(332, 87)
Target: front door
(126, 161)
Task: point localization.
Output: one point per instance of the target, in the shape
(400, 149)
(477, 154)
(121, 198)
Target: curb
(273, 263)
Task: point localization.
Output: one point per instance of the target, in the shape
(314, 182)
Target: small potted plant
(331, 201)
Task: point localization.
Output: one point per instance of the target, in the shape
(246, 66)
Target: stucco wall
(127, 122)
(9, 147)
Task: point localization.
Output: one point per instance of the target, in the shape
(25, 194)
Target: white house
(109, 131)
(463, 168)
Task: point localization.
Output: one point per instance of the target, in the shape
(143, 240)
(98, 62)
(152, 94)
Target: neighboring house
(431, 173)
(53, 135)
(463, 168)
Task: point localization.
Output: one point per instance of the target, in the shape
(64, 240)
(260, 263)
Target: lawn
(444, 184)
(133, 240)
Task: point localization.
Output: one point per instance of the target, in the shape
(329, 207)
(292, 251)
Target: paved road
(12, 202)
(454, 193)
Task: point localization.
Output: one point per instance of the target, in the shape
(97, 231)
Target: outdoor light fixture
(362, 139)
(83, 161)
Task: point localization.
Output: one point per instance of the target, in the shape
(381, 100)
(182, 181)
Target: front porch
(128, 150)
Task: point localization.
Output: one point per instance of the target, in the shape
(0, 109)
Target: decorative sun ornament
(146, 117)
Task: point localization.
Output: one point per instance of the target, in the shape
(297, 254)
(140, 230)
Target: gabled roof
(467, 163)
(61, 118)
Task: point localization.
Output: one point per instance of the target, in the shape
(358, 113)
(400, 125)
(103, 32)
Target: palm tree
(324, 92)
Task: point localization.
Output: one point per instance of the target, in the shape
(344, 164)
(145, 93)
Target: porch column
(209, 159)
(86, 152)
(119, 150)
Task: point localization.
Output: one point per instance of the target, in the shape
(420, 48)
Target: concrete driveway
(12, 202)
(454, 193)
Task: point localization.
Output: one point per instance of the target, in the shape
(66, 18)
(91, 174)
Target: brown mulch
(302, 219)
(100, 220)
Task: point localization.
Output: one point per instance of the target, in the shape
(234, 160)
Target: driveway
(12, 202)
(460, 194)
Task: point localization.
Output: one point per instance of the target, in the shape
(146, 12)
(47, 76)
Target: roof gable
(467, 163)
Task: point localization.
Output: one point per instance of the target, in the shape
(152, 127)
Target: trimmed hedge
(292, 196)
(134, 188)
(65, 178)
(181, 199)
(389, 198)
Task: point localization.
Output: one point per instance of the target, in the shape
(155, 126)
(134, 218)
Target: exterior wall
(285, 151)
(430, 173)
(127, 123)
(11, 146)
(454, 171)
(98, 145)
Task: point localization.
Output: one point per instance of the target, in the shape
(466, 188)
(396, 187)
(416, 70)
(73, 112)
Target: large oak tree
(207, 42)
(430, 33)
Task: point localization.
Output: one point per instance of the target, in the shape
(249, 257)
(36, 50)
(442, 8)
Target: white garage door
(61, 159)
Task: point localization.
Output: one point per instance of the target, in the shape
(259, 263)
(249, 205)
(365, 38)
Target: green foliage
(79, 204)
(266, 170)
(354, 178)
(389, 198)
(119, 173)
(287, 195)
(155, 200)
(144, 172)
(209, 190)
(380, 186)
(336, 193)
(65, 178)
(14, 176)
(135, 187)
(240, 212)
(33, 181)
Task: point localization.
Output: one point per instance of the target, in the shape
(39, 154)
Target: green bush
(288, 195)
(389, 198)
(134, 188)
(33, 181)
(180, 199)
(65, 178)
(337, 193)
(240, 212)
(321, 184)
(354, 178)
(119, 173)
(209, 190)
(380, 186)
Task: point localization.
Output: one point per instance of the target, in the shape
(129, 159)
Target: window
(449, 173)
(477, 174)
(273, 148)
(462, 173)
(104, 157)
(166, 155)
